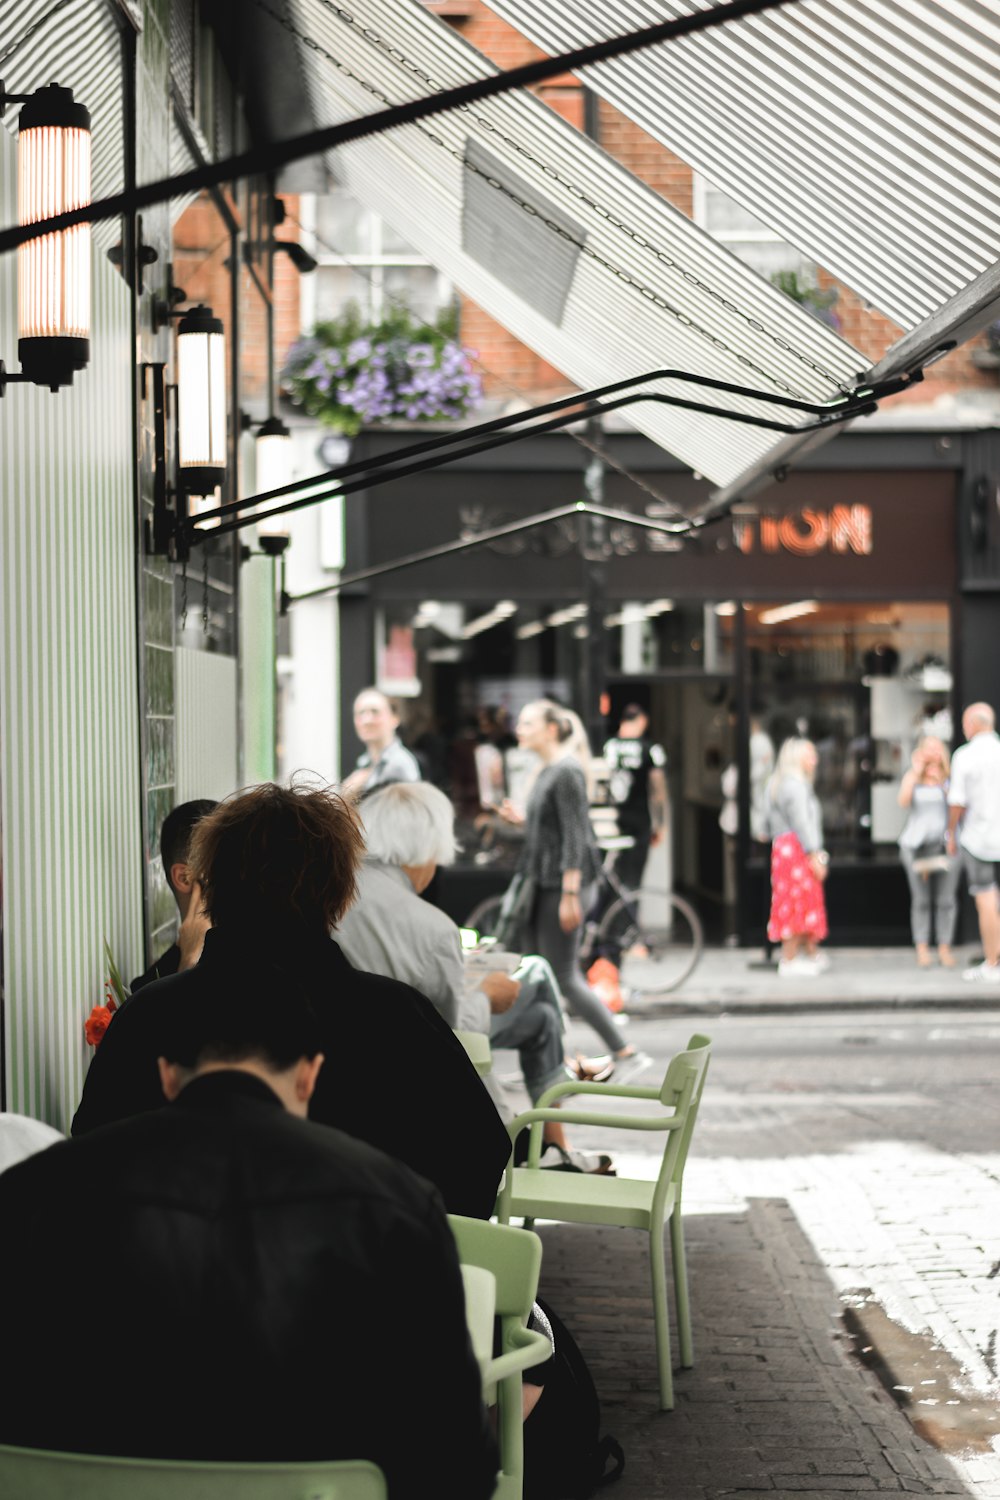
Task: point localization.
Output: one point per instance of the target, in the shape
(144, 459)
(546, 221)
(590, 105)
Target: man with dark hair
(175, 844)
(277, 871)
(637, 784)
(261, 1279)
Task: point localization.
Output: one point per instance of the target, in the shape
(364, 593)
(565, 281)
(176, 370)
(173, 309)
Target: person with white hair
(974, 826)
(409, 832)
(799, 862)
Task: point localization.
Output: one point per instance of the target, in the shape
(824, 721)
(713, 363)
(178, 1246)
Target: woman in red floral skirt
(799, 862)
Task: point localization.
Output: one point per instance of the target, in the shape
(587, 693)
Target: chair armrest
(535, 1118)
(605, 1090)
(533, 1348)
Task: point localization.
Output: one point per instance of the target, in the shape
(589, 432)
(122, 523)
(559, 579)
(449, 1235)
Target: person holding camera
(932, 873)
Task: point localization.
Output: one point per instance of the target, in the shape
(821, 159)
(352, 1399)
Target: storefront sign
(806, 532)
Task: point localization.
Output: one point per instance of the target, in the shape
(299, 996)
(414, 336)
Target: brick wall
(201, 252)
(513, 364)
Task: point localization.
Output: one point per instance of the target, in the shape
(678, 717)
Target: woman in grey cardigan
(798, 862)
(560, 854)
(932, 873)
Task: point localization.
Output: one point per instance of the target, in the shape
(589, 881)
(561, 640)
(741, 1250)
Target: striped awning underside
(79, 46)
(571, 253)
(864, 132)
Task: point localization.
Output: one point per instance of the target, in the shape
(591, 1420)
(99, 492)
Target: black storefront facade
(858, 602)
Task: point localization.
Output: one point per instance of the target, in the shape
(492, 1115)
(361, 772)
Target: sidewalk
(738, 981)
(777, 1401)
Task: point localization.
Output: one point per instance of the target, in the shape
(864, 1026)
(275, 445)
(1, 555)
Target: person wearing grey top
(560, 854)
(933, 874)
(798, 862)
(385, 759)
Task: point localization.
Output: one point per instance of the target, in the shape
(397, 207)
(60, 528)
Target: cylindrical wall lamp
(53, 271)
(201, 398)
(273, 450)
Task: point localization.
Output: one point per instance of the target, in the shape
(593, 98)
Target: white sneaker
(983, 974)
(798, 968)
(822, 961)
(627, 1068)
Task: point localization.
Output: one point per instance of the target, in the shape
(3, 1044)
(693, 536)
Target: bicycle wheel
(658, 939)
(485, 916)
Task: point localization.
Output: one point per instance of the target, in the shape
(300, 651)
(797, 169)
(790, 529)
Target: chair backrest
(681, 1091)
(30, 1474)
(513, 1255)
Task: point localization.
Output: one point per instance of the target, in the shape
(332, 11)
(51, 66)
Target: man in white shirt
(974, 816)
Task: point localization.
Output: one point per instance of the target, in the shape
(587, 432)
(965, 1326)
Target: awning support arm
(483, 539)
(365, 473)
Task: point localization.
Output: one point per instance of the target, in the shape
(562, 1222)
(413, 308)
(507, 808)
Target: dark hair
(259, 1012)
(278, 858)
(633, 711)
(175, 835)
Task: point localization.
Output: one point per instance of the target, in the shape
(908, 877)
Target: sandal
(558, 1159)
(592, 1069)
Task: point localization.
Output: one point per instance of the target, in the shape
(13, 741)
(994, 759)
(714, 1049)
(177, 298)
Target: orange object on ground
(603, 978)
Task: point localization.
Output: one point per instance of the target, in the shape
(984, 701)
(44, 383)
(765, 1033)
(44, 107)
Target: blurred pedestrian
(799, 862)
(933, 873)
(385, 758)
(562, 860)
(974, 803)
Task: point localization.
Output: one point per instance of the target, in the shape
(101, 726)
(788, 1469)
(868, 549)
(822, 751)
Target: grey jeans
(545, 936)
(534, 1027)
(935, 894)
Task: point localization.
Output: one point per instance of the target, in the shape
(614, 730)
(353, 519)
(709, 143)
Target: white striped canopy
(558, 241)
(864, 132)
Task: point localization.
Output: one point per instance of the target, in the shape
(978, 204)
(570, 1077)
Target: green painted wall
(69, 750)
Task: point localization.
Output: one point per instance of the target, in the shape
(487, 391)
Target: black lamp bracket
(8, 377)
(165, 531)
(168, 306)
(7, 99)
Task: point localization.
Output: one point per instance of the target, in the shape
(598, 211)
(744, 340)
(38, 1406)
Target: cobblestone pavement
(832, 1153)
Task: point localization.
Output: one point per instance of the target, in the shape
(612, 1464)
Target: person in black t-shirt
(637, 785)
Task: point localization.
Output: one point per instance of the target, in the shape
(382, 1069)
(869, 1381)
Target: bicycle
(658, 934)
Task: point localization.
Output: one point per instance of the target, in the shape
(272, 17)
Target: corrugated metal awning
(864, 132)
(556, 240)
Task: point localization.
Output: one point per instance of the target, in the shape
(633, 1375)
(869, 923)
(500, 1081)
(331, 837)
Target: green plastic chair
(514, 1256)
(30, 1474)
(477, 1045)
(530, 1192)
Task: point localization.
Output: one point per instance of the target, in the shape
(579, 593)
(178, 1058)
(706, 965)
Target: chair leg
(510, 1434)
(661, 1318)
(528, 1224)
(679, 1258)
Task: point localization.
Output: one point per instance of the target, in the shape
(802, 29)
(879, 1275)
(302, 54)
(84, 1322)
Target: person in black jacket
(277, 871)
(175, 843)
(258, 1283)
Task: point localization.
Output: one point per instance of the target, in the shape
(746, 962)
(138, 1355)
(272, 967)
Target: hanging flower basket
(350, 374)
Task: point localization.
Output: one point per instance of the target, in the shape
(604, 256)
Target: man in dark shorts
(637, 786)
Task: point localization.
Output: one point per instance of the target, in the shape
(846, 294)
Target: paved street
(835, 1153)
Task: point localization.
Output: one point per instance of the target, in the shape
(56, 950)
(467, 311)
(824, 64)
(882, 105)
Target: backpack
(565, 1457)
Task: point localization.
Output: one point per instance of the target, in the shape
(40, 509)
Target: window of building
(745, 235)
(363, 260)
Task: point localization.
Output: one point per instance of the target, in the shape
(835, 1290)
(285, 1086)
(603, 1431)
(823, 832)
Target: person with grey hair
(409, 832)
(974, 826)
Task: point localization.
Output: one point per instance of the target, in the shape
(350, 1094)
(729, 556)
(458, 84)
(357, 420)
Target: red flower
(97, 1024)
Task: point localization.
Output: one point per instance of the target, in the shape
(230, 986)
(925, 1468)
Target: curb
(662, 1010)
